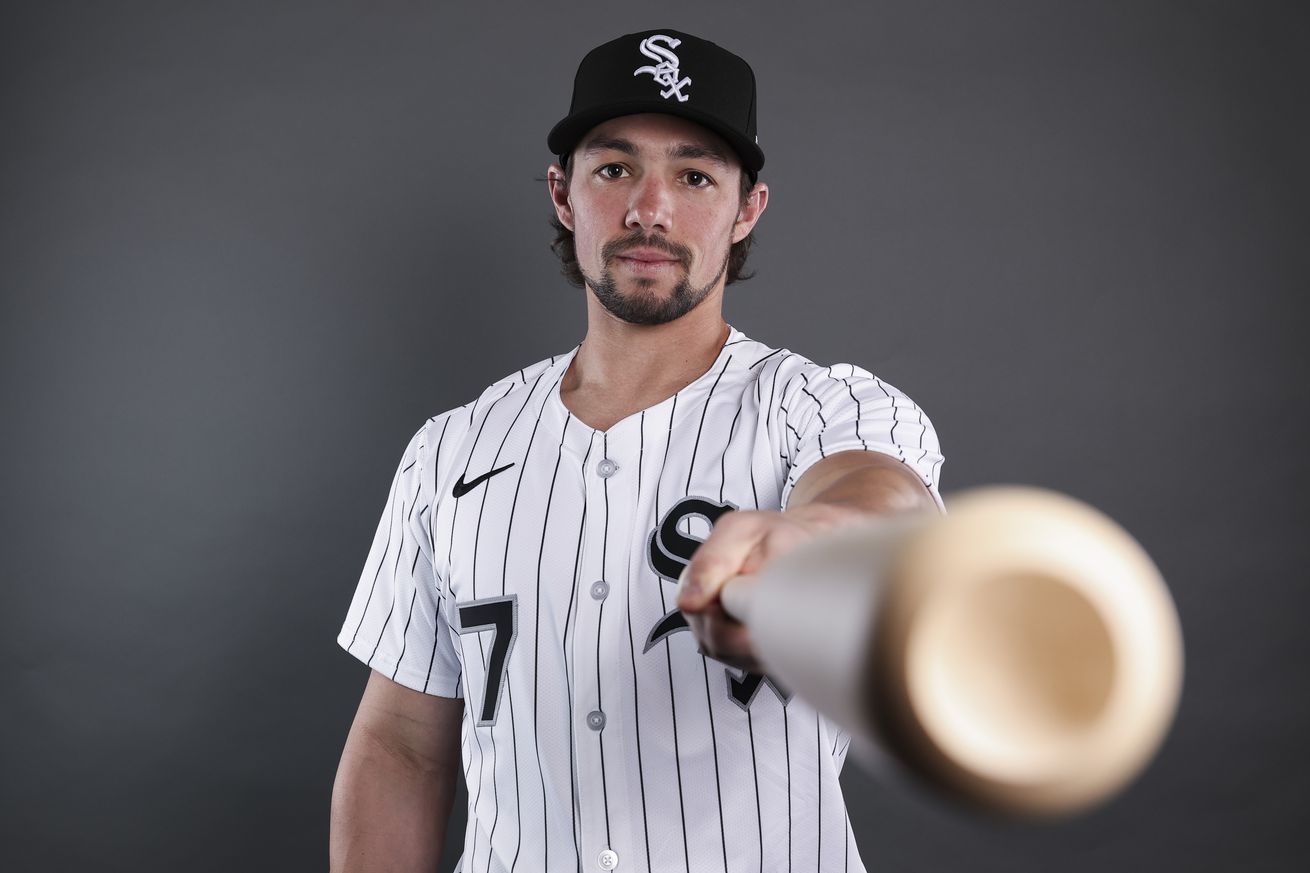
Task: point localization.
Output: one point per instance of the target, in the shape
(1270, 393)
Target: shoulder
(452, 426)
(765, 361)
(792, 373)
(518, 385)
(524, 377)
(780, 373)
(751, 360)
(783, 372)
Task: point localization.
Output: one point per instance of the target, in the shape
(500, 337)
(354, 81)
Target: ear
(559, 194)
(756, 201)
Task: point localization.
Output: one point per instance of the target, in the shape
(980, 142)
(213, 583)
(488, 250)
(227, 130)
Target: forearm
(859, 484)
(389, 811)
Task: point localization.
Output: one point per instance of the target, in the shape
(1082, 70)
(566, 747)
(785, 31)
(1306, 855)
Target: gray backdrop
(247, 249)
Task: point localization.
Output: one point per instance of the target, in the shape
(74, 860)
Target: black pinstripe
(859, 413)
(432, 542)
(536, 653)
(805, 387)
(691, 466)
(846, 860)
(924, 429)
(762, 360)
(632, 654)
(570, 620)
(750, 721)
(404, 634)
(504, 568)
(786, 745)
(705, 665)
(400, 550)
(773, 393)
(476, 736)
(818, 772)
(794, 431)
(505, 677)
(668, 656)
(723, 458)
(382, 559)
(600, 615)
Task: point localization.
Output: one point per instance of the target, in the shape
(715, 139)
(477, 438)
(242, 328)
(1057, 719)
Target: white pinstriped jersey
(528, 563)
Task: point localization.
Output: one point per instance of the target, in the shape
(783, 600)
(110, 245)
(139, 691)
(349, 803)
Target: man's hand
(842, 489)
(742, 543)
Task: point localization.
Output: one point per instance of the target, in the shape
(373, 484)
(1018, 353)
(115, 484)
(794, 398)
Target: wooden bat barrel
(1021, 653)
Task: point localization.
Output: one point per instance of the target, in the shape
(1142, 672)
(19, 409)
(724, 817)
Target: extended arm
(396, 782)
(842, 489)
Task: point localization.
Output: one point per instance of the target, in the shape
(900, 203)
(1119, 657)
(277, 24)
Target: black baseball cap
(669, 72)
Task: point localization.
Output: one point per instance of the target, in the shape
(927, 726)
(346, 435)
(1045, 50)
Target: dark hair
(563, 243)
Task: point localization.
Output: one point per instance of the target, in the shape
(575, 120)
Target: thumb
(698, 587)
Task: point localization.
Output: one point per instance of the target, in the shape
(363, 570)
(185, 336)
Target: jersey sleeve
(399, 620)
(825, 410)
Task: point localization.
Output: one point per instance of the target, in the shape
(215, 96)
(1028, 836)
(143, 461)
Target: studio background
(247, 249)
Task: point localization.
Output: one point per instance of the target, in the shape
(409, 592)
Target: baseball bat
(1020, 653)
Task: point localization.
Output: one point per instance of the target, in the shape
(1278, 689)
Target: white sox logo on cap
(611, 81)
(666, 71)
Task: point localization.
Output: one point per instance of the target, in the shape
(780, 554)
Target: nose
(651, 206)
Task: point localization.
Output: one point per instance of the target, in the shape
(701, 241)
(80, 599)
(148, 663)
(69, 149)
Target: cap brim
(564, 137)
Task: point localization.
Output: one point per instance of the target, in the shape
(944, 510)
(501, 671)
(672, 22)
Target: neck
(623, 368)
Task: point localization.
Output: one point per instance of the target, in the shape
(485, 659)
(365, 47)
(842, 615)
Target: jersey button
(607, 468)
(608, 860)
(599, 590)
(596, 721)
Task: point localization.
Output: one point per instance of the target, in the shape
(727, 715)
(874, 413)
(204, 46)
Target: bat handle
(736, 597)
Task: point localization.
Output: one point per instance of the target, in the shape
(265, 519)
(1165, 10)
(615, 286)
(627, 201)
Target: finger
(719, 558)
(723, 638)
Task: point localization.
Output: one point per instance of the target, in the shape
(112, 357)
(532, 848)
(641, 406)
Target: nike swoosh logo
(462, 487)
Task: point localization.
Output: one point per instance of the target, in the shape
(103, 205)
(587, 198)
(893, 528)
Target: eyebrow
(690, 152)
(611, 144)
(683, 151)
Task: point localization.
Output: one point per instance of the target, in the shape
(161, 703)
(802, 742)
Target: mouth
(648, 260)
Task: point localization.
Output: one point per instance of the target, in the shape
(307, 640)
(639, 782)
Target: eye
(697, 179)
(612, 171)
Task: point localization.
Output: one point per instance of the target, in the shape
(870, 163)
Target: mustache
(616, 247)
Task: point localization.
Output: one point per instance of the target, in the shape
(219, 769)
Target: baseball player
(540, 603)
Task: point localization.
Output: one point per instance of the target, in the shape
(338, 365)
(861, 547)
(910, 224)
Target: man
(523, 590)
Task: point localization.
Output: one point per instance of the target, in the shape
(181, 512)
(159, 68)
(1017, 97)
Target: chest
(545, 508)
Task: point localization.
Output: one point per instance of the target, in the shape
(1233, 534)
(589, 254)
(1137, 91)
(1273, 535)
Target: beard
(642, 305)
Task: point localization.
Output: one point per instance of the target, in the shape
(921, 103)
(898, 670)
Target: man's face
(654, 203)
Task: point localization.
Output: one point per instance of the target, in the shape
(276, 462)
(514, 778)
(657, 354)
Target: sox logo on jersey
(670, 552)
(528, 563)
